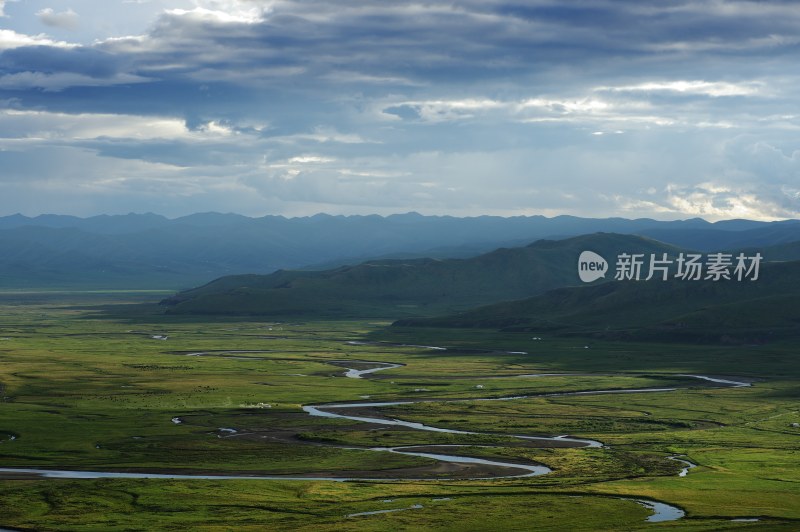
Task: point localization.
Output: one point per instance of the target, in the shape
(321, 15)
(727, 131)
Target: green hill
(396, 288)
(724, 311)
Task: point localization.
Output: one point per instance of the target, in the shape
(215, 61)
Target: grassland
(84, 391)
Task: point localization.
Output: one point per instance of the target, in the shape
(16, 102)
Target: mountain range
(151, 251)
(535, 287)
(752, 312)
(412, 286)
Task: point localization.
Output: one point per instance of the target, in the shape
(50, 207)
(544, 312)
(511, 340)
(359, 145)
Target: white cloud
(767, 42)
(732, 9)
(568, 106)
(445, 110)
(717, 201)
(587, 111)
(695, 87)
(217, 129)
(206, 15)
(323, 134)
(361, 77)
(68, 19)
(11, 39)
(310, 159)
(224, 11)
(73, 128)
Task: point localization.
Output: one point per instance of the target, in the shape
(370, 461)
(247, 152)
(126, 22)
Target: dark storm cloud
(392, 46)
(459, 42)
(50, 59)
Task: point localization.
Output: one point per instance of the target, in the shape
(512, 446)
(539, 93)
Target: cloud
(55, 68)
(322, 134)
(88, 180)
(48, 59)
(68, 20)
(155, 139)
(10, 39)
(19, 123)
(603, 107)
(719, 201)
(376, 45)
(62, 80)
(591, 110)
(202, 15)
(713, 89)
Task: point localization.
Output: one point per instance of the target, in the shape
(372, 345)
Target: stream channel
(661, 511)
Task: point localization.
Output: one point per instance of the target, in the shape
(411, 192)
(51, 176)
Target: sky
(669, 110)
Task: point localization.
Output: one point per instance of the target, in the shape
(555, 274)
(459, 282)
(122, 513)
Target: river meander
(661, 511)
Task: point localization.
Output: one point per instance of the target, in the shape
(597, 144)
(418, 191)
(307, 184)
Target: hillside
(150, 251)
(731, 234)
(676, 310)
(408, 287)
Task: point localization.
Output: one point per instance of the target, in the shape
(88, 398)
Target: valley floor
(544, 434)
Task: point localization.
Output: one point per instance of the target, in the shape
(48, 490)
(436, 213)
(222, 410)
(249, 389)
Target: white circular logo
(591, 266)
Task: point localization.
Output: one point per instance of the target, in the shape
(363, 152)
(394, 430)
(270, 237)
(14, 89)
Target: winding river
(661, 511)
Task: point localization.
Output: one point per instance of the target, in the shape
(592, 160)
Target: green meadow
(92, 385)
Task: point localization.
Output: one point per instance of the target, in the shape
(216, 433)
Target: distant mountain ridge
(416, 287)
(394, 288)
(675, 310)
(707, 239)
(151, 251)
